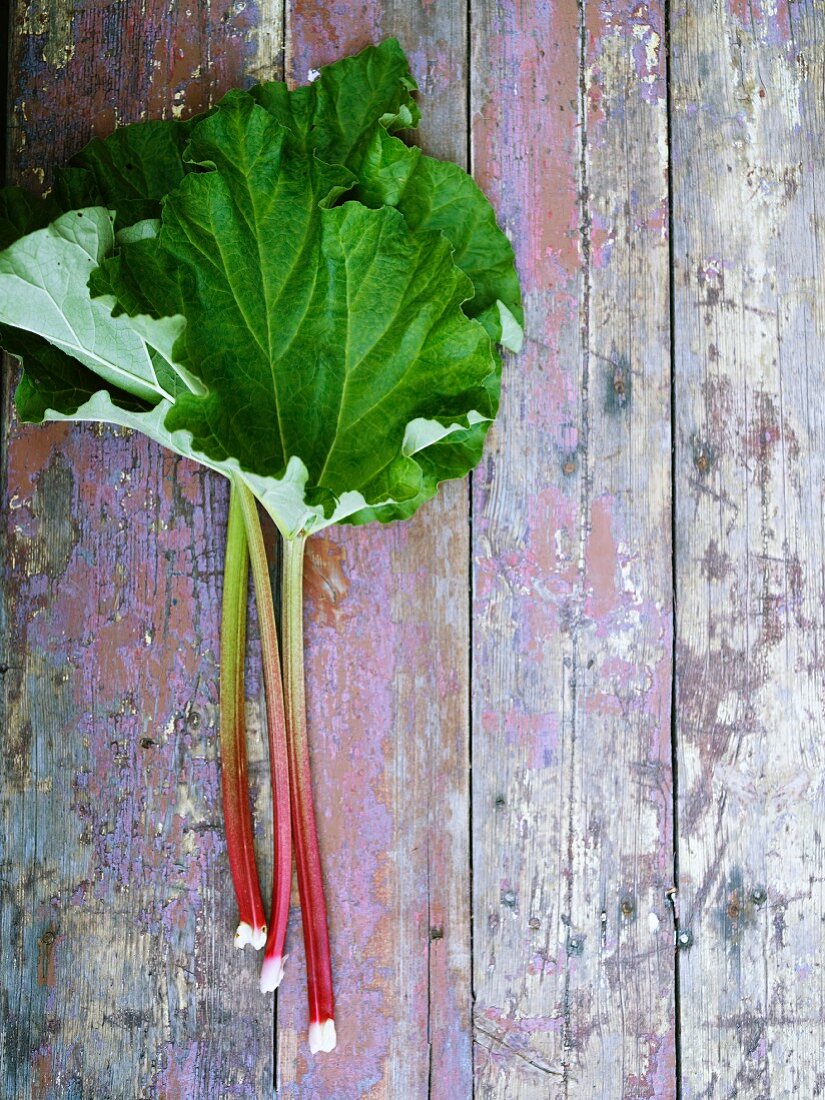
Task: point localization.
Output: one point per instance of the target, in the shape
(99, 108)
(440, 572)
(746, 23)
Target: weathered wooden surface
(573, 938)
(535, 718)
(748, 128)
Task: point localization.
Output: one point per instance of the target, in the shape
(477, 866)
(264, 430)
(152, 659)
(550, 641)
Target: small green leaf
(45, 300)
(337, 113)
(130, 170)
(22, 212)
(43, 290)
(434, 194)
(55, 382)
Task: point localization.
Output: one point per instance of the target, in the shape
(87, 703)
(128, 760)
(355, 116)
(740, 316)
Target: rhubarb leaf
(330, 340)
(250, 237)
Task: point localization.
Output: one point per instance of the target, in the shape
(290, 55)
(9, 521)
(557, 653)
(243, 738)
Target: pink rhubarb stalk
(307, 857)
(234, 782)
(272, 969)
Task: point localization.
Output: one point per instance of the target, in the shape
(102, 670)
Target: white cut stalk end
(272, 971)
(322, 1037)
(245, 934)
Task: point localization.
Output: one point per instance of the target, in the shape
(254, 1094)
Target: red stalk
(234, 781)
(272, 969)
(307, 857)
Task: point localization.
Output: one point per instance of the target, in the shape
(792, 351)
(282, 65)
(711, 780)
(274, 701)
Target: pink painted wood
(573, 943)
(748, 170)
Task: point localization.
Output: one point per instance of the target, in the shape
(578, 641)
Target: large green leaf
(133, 168)
(318, 352)
(328, 339)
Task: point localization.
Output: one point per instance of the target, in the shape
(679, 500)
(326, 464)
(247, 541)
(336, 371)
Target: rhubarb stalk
(272, 969)
(307, 856)
(234, 782)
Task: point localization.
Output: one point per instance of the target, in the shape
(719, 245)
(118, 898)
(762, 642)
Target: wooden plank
(573, 940)
(748, 130)
(119, 977)
(387, 636)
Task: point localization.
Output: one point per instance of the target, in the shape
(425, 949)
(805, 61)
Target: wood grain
(387, 670)
(572, 643)
(750, 467)
(119, 978)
